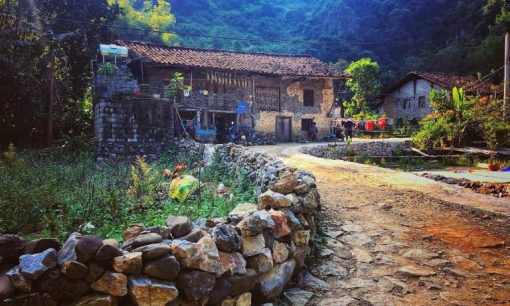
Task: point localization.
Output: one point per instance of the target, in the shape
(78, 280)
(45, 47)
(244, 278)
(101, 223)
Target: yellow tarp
(182, 187)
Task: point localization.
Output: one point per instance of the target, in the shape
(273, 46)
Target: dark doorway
(283, 129)
(222, 123)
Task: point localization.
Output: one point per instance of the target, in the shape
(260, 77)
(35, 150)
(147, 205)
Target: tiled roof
(470, 84)
(271, 64)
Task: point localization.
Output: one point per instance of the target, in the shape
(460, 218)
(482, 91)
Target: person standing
(313, 131)
(349, 126)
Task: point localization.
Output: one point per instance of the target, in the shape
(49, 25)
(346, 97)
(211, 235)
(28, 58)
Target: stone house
(409, 97)
(276, 95)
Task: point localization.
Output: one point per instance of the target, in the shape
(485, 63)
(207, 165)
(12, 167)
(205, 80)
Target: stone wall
(369, 148)
(246, 258)
(126, 126)
(413, 90)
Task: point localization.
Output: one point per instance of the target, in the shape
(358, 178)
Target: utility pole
(506, 94)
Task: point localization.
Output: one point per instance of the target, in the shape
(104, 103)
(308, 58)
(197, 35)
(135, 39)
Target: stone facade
(224, 99)
(246, 258)
(404, 101)
(127, 126)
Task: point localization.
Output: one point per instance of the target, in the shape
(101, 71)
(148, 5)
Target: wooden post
(506, 95)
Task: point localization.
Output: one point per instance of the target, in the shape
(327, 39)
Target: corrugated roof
(470, 84)
(261, 63)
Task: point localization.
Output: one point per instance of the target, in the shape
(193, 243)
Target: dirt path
(397, 241)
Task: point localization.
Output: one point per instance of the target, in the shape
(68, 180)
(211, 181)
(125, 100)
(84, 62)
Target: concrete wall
(413, 90)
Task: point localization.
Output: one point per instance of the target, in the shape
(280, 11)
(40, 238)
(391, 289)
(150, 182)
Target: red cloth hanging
(382, 123)
(370, 125)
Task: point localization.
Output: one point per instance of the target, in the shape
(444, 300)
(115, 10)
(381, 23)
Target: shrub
(431, 133)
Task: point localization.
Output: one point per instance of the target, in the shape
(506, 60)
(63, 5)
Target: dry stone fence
(245, 258)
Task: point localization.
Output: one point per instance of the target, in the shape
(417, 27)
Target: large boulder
(94, 272)
(226, 237)
(179, 225)
(243, 210)
(280, 252)
(19, 281)
(149, 292)
(42, 244)
(11, 248)
(34, 265)
(106, 253)
(96, 299)
(232, 263)
(262, 262)
(253, 245)
(29, 300)
(195, 235)
(68, 253)
(60, 288)
(281, 228)
(250, 226)
(141, 240)
(6, 287)
(74, 269)
(274, 281)
(202, 255)
(165, 268)
(196, 284)
(153, 251)
(133, 231)
(301, 237)
(243, 283)
(219, 292)
(86, 247)
(241, 300)
(286, 184)
(265, 219)
(270, 199)
(130, 263)
(111, 283)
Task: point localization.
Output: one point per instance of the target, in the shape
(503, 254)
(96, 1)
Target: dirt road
(393, 238)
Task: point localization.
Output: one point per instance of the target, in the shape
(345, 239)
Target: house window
(421, 102)
(306, 124)
(308, 97)
(407, 104)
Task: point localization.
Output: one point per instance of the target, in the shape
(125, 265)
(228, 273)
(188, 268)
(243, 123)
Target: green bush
(431, 133)
(48, 193)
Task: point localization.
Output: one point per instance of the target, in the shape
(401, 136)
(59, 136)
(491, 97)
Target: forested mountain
(454, 36)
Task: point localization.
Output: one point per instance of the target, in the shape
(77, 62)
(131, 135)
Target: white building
(410, 96)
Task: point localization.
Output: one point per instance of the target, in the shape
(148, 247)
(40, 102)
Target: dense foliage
(55, 192)
(145, 20)
(460, 120)
(46, 48)
(458, 36)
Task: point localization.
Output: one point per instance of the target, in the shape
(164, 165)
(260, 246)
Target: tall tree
(363, 82)
(45, 51)
(153, 16)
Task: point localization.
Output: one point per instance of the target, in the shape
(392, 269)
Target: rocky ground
(402, 244)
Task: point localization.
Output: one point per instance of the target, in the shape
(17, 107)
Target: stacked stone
(501, 190)
(372, 148)
(243, 259)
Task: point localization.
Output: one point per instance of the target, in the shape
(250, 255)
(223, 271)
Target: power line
(254, 40)
(296, 41)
